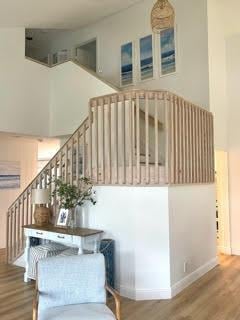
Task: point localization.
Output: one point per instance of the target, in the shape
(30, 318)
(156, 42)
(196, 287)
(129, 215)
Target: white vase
(82, 217)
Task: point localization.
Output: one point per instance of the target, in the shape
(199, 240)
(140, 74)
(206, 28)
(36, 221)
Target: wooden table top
(82, 232)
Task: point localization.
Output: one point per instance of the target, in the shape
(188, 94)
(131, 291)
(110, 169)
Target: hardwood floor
(216, 296)
(2, 255)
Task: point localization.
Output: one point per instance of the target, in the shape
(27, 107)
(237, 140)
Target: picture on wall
(168, 51)
(146, 57)
(9, 175)
(127, 64)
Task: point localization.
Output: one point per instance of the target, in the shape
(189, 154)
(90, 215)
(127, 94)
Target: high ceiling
(63, 14)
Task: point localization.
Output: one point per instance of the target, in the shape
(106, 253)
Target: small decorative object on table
(63, 218)
(42, 214)
(71, 196)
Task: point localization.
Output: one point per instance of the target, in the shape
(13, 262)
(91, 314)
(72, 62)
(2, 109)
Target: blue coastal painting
(127, 64)
(146, 57)
(168, 51)
(9, 175)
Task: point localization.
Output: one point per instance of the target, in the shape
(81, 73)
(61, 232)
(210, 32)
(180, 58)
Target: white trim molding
(192, 277)
(226, 250)
(127, 292)
(235, 251)
(154, 294)
(145, 294)
(168, 293)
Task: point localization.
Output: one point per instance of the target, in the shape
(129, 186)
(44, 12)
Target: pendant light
(162, 16)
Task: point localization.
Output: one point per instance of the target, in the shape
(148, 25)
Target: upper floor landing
(38, 100)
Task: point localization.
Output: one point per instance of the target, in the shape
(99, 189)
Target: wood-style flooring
(2, 255)
(216, 296)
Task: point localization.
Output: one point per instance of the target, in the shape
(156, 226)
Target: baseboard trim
(235, 251)
(20, 262)
(127, 292)
(145, 294)
(154, 294)
(195, 275)
(167, 293)
(225, 250)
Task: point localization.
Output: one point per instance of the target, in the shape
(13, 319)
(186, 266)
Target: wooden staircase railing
(144, 137)
(139, 138)
(70, 164)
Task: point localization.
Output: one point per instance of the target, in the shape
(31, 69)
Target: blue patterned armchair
(71, 288)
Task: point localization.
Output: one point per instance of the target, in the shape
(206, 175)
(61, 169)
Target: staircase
(138, 138)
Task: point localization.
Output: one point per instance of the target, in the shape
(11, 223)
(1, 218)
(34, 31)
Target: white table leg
(26, 253)
(95, 245)
(80, 251)
(80, 246)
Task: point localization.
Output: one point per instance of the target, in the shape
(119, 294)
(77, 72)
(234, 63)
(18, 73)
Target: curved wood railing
(144, 137)
(139, 138)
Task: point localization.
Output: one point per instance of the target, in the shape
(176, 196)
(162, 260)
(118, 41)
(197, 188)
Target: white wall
(41, 101)
(153, 226)
(24, 94)
(47, 148)
(71, 88)
(137, 219)
(192, 233)
(191, 81)
(217, 72)
(224, 51)
(139, 225)
(25, 151)
(222, 192)
(233, 71)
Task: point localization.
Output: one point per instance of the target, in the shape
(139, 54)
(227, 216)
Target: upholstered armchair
(71, 288)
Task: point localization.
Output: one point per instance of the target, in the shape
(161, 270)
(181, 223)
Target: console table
(72, 237)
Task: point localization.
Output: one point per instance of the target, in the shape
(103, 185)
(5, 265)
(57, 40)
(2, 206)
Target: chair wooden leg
(35, 303)
(116, 297)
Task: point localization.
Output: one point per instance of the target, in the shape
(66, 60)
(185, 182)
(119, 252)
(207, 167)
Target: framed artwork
(127, 64)
(167, 51)
(146, 57)
(63, 218)
(9, 175)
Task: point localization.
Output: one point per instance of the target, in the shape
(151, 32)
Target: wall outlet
(185, 266)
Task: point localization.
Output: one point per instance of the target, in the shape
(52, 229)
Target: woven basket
(162, 16)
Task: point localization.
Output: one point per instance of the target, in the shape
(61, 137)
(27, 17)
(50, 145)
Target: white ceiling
(63, 14)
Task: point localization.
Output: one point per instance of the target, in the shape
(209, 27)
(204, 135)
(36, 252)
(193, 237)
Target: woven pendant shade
(162, 16)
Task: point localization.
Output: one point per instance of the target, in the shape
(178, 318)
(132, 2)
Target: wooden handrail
(117, 301)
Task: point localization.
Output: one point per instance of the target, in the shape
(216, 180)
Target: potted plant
(71, 196)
